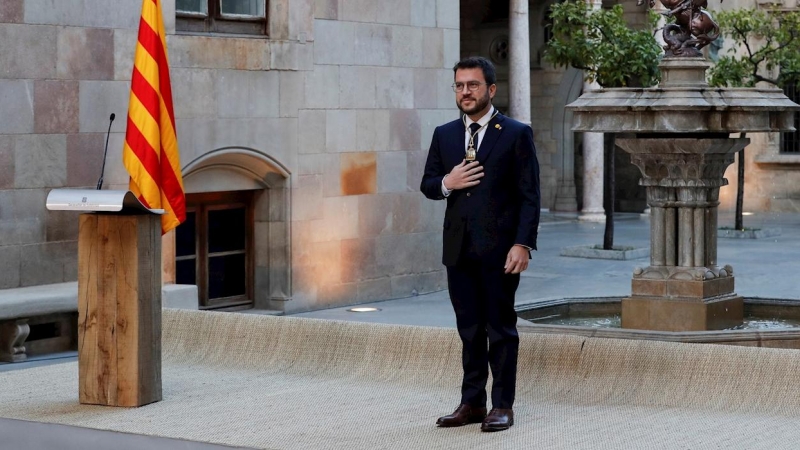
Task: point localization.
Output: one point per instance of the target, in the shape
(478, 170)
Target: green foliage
(763, 42)
(601, 43)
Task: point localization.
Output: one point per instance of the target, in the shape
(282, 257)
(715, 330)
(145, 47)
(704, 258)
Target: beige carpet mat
(290, 383)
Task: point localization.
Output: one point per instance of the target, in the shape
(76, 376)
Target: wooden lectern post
(119, 309)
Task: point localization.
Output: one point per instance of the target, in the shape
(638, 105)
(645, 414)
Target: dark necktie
(473, 130)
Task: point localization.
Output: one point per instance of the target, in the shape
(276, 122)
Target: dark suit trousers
(483, 300)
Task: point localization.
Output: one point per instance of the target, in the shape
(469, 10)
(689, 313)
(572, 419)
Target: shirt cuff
(446, 192)
(525, 246)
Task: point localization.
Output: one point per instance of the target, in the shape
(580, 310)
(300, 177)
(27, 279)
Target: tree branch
(745, 42)
(759, 78)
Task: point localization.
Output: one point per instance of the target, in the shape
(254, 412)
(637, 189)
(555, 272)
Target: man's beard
(480, 104)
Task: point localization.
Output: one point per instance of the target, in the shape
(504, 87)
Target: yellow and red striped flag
(150, 153)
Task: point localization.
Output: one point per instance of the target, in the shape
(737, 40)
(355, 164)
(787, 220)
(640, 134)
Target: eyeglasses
(472, 86)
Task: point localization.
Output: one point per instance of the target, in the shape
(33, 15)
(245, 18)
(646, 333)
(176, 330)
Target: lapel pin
(498, 127)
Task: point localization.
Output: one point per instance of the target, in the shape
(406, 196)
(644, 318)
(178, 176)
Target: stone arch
(244, 168)
(569, 90)
(241, 168)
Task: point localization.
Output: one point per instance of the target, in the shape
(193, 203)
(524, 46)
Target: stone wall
(546, 104)
(344, 94)
(362, 231)
(59, 81)
(772, 180)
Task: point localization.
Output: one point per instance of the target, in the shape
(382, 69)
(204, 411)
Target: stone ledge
(23, 308)
(597, 252)
(759, 233)
(180, 296)
(63, 297)
(779, 161)
(38, 300)
(764, 307)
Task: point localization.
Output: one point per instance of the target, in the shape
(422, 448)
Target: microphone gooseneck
(105, 152)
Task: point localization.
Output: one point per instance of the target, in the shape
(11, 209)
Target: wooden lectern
(119, 296)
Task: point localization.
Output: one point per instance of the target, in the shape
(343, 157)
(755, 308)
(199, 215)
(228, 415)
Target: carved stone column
(683, 288)
(592, 210)
(519, 62)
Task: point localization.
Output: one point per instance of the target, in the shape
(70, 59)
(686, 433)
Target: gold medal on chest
(471, 154)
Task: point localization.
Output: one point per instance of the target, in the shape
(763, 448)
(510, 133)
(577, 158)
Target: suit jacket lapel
(490, 137)
(456, 148)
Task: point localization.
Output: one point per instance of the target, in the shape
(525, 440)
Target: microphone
(105, 152)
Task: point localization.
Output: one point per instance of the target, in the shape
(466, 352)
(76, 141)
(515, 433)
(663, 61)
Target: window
(213, 248)
(790, 142)
(222, 16)
(540, 39)
(547, 25)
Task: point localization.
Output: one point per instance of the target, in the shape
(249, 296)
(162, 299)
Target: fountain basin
(773, 323)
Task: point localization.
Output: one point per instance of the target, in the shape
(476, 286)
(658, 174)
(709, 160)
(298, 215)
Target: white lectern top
(96, 200)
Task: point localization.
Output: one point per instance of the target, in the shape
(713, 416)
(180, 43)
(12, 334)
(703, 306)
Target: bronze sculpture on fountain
(693, 29)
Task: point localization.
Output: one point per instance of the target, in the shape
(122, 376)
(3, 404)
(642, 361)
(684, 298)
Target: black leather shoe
(463, 415)
(499, 419)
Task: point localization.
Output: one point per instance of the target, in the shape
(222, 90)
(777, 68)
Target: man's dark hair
(485, 65)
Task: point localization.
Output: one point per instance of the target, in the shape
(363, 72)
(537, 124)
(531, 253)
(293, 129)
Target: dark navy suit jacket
(486, 220)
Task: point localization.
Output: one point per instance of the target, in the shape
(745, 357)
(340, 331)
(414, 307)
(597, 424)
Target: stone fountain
(678, 135)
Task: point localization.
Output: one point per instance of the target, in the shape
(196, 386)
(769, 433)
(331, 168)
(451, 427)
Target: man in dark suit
(490, 228)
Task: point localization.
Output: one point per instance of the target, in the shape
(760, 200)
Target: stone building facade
(302, 146)
(772, 160)
(317, 128)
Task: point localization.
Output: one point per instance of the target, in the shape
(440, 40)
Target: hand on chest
(491, 155)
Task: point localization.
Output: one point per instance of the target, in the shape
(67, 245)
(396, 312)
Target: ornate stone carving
(683, 177)
(12, 337)
(682, 273)
(682, 170)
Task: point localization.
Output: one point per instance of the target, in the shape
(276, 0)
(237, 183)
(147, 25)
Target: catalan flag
(150, 153)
